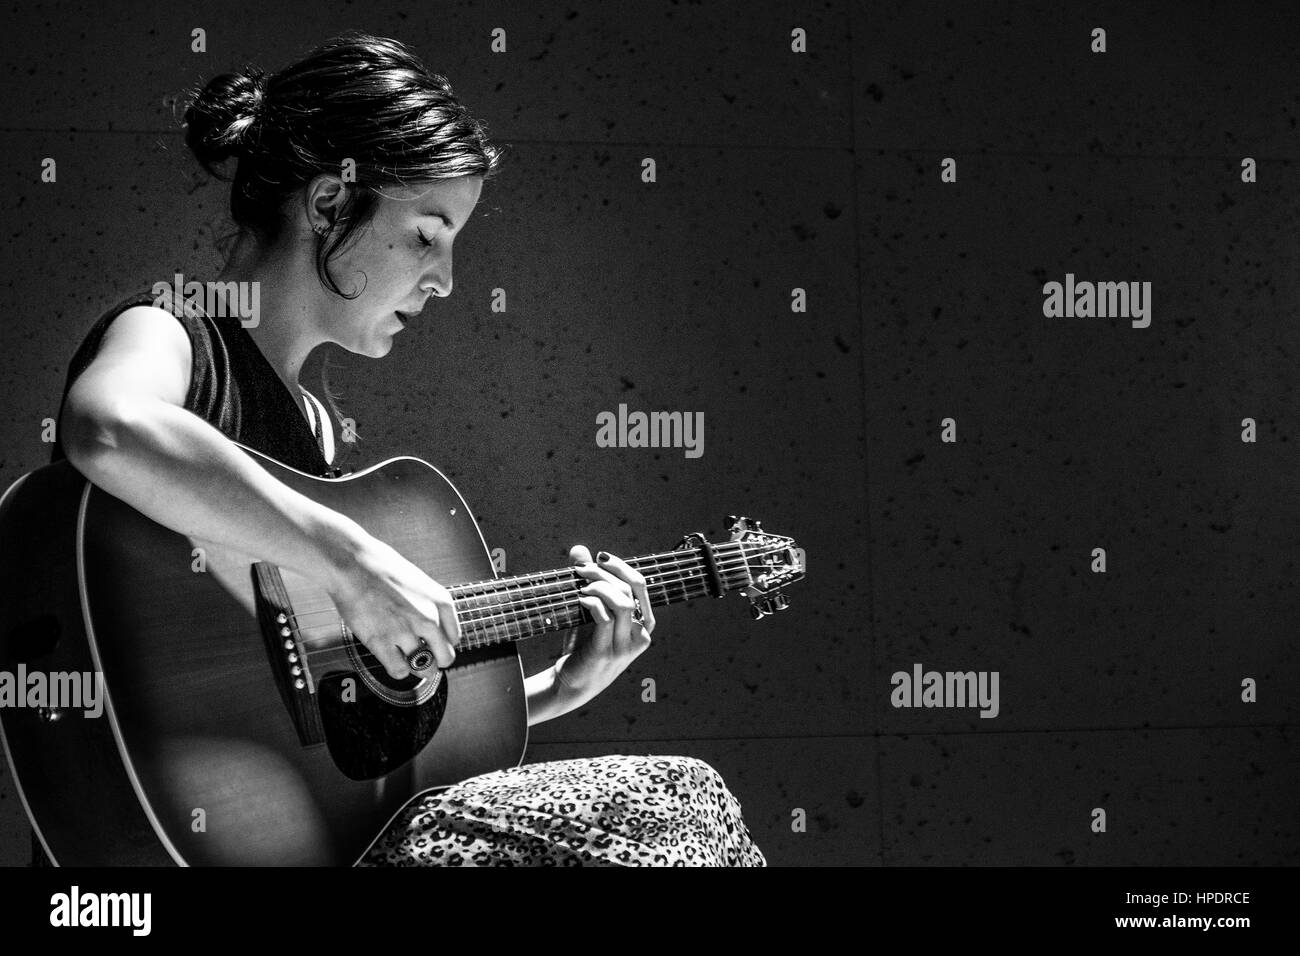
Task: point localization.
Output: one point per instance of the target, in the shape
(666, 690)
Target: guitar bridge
(287, 655)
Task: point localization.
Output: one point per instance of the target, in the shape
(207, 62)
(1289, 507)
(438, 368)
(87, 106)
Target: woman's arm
(124, 428)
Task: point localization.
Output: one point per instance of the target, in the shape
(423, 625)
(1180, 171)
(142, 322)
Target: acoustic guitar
(243, 723)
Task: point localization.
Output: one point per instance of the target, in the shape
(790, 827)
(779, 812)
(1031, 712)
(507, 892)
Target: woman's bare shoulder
(143, 349)
(147, 327)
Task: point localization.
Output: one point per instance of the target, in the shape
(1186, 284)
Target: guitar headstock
(773, 562)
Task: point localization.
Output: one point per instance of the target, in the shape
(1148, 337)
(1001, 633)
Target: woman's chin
(375, 345)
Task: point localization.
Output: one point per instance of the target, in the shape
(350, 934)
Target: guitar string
(485, 636)
(536, 606)
(519, 599)
(560, 578)
(325, 659)
(539, 608)
(516, 596)
(323, 656)
(677, 556)
(563, 605)
(554, 595)
(566, 604)
(554, 602)
(490, 587)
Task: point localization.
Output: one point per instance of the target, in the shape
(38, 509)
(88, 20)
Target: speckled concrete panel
(579, 71)
(1075, 433)
(1177, 78)
(1199, 797)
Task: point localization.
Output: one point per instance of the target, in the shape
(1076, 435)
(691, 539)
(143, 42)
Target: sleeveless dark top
(232, 387)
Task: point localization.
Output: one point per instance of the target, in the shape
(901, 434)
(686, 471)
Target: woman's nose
(440, 279)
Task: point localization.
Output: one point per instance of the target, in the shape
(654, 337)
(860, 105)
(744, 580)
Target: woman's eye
(424, 241)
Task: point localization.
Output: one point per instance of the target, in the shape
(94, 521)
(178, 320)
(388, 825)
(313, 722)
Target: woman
(154, 397)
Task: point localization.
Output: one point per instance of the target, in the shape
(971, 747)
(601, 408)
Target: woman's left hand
(611, 596)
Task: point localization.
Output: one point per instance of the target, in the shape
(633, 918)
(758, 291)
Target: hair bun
(252, 88)
(219, 118)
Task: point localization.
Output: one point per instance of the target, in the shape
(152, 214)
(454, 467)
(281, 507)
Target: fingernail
(602, 556)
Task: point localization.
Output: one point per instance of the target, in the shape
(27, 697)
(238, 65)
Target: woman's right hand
(390, 605)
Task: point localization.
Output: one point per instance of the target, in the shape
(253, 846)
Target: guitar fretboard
(528, 605)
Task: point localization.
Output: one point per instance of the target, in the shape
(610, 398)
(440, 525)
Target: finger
(619, 600)
(420, 633)
(603, 634)
(448, 623)
(388, 654)
(424, 631)
(594, 572)
(443, 652)
(635, 580)
(579, 554)
(432, 638)
(616, 595)
(599, 613)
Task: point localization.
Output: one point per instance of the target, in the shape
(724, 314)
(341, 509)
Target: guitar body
(206, 752)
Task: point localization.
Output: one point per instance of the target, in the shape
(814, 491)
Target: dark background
(820, 171)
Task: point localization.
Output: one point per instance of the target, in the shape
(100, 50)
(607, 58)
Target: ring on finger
(638, 616)
(420, 659)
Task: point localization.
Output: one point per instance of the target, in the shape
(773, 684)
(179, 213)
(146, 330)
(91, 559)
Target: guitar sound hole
(369, 737)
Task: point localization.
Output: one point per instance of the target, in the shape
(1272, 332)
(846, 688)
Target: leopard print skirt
(603, 811)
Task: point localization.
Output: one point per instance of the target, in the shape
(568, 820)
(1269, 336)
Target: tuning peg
(781, 601)
(731, 519)
(756, 609)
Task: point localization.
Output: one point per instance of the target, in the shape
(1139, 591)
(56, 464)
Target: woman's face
(400, 259)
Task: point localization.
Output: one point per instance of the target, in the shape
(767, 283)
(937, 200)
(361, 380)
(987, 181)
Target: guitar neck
(528, 605)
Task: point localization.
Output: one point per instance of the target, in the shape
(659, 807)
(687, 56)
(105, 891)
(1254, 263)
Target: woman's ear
(323, 198)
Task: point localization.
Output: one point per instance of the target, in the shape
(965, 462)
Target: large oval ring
(420, 659)
(638, 616)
